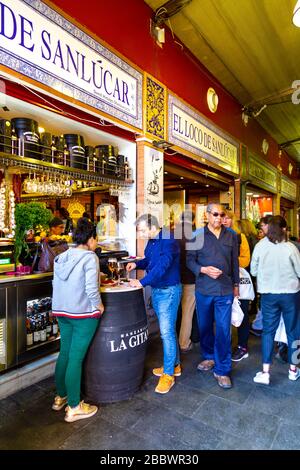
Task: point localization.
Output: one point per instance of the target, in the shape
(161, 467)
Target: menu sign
(288, 189)
(266, 175)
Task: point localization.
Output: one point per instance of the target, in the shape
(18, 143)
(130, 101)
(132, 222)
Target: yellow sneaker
(165, 383)
(158, 371)
(59, 403)
(82, 411)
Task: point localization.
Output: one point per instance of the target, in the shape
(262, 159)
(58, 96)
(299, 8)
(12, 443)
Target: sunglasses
(216, 214)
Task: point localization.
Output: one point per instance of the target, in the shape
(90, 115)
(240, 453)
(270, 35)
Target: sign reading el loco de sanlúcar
(191, 131)
(41, 44)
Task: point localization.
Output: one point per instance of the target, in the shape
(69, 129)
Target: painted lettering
(24, 23)
(138, 339)
(46, 40)
(52, 51)
(121, 346)
(58, 53)
(125, 92)
(209, 142)
(8, 22)
(117, 90)
(180, 126)
(97, 85)
(175, 122)
(75, 62)
(107, 72)
(87, 80)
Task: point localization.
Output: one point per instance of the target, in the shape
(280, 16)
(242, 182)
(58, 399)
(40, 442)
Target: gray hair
(211, 204)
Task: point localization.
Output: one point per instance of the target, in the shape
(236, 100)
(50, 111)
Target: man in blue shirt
(162, 265)
(214, 261)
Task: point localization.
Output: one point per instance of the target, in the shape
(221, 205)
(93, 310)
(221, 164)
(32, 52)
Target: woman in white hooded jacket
(77, 303)
(276, 263)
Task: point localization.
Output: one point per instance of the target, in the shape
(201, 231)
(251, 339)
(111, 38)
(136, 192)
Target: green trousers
(75, 338)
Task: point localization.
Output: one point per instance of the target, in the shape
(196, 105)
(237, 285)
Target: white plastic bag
(280, 334)
(246, 289)
(237, 313)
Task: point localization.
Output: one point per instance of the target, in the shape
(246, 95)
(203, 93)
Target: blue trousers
(216, 309)
(165, 302)
(272, 306)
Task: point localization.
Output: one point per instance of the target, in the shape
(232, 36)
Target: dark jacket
(161, 262)
(187, 276)
(219, 252)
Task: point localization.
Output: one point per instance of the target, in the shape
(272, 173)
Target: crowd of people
(199, 269)
(205, 274)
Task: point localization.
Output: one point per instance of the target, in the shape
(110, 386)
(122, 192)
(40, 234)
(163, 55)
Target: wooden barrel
(114, 365)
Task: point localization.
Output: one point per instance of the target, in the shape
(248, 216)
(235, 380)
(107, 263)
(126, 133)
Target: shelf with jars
(24, 144)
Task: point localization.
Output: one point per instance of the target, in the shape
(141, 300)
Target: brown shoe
(208, 364)
(223, 381)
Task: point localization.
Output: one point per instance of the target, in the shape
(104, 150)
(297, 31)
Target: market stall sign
(154, 182)
(39, 43)
(193, 132)
(266, 175)
(288, 189)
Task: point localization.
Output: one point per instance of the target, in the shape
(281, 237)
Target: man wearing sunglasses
(214, 261)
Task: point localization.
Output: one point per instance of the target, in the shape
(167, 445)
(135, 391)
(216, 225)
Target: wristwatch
(235, 285)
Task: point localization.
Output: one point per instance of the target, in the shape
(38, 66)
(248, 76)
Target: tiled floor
(196, 414)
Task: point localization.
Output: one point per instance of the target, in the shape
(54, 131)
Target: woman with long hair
(276, 264)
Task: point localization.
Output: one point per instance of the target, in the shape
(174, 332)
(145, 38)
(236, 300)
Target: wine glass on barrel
(112, 264)
(119, 271)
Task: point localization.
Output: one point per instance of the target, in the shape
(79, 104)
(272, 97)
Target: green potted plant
(29, 216)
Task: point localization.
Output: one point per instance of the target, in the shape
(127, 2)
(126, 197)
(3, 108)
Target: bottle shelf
(34, 346)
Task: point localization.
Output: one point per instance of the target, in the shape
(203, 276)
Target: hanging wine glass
(34, 184)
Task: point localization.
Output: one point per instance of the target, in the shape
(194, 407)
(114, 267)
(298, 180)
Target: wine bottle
(36, 333)
(29, 333)
(55, 326)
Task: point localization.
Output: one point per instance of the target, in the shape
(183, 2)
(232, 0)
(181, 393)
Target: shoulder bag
(246, 287)
(49, 252)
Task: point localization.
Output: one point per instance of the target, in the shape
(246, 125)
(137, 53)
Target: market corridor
(197, 414)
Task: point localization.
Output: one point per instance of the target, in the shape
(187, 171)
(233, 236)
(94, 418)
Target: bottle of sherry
(29, 333)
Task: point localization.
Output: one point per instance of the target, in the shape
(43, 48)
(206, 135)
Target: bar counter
(23, 277)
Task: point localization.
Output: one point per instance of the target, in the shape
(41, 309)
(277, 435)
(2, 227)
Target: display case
(27, 329)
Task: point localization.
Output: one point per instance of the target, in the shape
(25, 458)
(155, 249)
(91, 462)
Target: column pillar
(240, 188)
(150, 182)
(140, 194)
(277, 196)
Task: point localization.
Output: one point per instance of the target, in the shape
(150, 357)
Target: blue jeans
(257, 323)
(272, 306)
(216, 309)
(165, 302)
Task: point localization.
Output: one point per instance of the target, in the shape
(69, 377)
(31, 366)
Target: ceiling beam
(289, 142)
